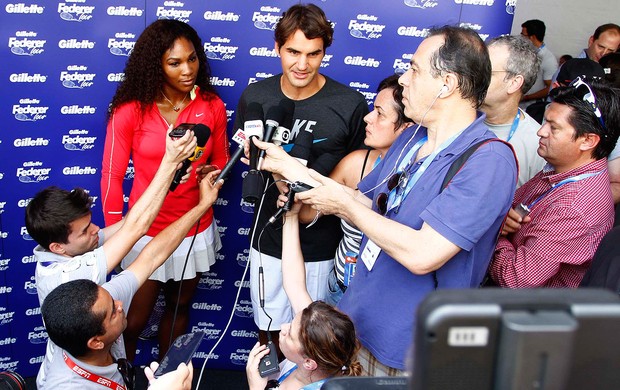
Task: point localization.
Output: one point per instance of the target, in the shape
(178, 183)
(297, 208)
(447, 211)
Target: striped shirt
(350, 243)
(556, 247)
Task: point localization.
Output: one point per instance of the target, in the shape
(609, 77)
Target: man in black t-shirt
(334, 114)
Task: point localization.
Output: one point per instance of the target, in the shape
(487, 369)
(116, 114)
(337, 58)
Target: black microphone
(275, 115)
(252, 127)
(301, 152)
(202, 133)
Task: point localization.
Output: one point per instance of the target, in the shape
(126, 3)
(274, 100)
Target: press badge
(370, 254)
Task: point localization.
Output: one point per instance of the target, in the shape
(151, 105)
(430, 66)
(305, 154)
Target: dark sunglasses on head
(589, 97)
(127, 371)
(396, 180)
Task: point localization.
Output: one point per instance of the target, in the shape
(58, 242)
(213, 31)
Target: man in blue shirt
(417, 236)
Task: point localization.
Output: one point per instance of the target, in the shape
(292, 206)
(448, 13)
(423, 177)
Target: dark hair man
(419, 236)
(534, 32)
(560, 216)
(86, 320)
(334, 114)
(72, 247)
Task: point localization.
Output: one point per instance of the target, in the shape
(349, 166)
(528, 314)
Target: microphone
(202, 133)
(301, 152)
(282, 135)
(252, 127)
(275, 115)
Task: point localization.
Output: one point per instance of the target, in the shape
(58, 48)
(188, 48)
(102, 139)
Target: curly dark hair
(144, 76)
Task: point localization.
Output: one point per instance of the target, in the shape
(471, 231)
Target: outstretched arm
(293, 267)
(121, 236)
(162, 245)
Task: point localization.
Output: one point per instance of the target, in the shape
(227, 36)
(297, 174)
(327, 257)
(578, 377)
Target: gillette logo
(259, 76)
(122, 44)
(206, 306)
(401, 65)
(22, 46)
(73, 78)
(76, 142)
(28, 141)
(74, 12)
(77, 170)
(413, 31)
(365, 30)
(218, 50)
(30, 174)
(28, 111)
(77, 110)
(225, 82)
(487, 3)
(116, 77)
(121, 10)
(22, 8)
(263, 52)
(75, 44)
(266, 21)
(361, 61)
(219, 16)
(173, 13)
(27, 78)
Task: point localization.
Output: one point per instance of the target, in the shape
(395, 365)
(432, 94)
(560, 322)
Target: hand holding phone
(269, 363)
(181, 351)
(181, 129)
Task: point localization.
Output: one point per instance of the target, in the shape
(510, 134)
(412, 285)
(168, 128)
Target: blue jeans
(334, 292)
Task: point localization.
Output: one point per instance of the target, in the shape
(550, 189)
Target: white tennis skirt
(201, 256)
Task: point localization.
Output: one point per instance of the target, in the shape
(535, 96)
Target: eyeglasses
(589, 97)
(397, 180)
(127, 371)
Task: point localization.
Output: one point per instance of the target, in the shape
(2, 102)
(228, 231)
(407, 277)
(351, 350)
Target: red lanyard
(90, 376)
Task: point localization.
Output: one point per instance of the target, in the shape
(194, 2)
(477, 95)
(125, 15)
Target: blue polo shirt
(469, 212)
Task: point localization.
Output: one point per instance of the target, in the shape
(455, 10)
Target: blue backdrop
(61, 63)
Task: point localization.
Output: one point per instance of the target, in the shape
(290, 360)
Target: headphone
(443, 89)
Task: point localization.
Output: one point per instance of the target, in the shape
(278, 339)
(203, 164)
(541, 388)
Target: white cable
(245, 271)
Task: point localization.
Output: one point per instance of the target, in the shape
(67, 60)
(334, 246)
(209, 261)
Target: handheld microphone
(202, 133)
(252, 127)
(282, 135)
(275, 115)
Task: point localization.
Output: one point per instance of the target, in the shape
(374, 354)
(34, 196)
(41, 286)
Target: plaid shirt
(556, 247)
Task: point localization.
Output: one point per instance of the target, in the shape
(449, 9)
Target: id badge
(370, 254)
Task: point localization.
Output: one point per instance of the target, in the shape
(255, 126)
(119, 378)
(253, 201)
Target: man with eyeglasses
(86, 321)
(514, 67)
(559, 217)
(419, 235)
(533, 31)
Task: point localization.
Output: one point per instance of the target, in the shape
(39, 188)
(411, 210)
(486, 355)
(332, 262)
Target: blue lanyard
(286, 374)
(571, 179)
(393, 200)
(515, 124)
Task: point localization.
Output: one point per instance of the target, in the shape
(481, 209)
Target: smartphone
(181, 351)
(181, 129)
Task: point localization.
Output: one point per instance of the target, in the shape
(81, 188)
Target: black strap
(456, 167)
(364, 165)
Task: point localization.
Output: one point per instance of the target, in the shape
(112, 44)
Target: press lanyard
(286, 374)
(393, 201)
(571, 179)
(90, 376)
(515, 124)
